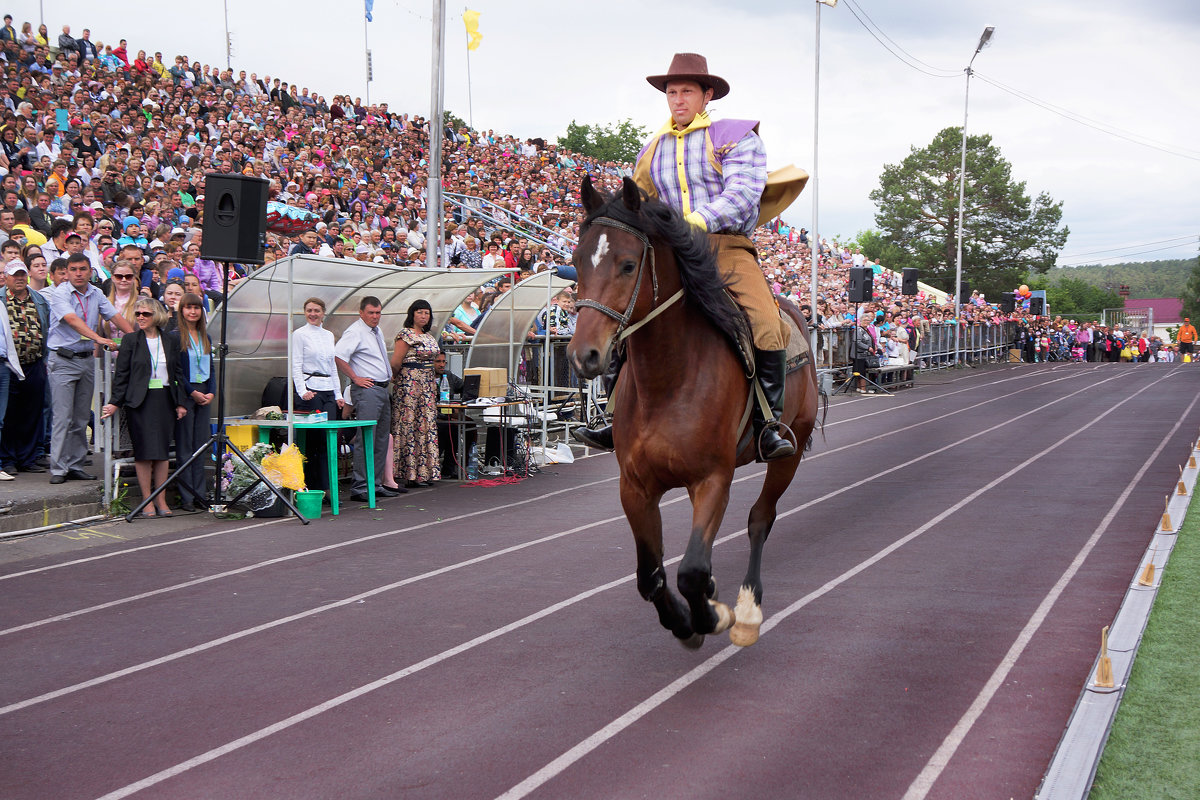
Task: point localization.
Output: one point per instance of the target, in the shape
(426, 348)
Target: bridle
(624, 328)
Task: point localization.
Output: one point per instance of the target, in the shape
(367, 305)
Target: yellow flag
(474, 37)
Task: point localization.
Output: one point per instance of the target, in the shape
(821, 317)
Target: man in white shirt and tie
(362, 356)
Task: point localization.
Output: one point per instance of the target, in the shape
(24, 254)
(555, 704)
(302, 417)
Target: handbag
(872, 362)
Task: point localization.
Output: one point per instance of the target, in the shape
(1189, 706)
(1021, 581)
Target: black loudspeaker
(964, 294)
(1008, 303)
(1037, 306)
(235, 218)
(861, 290)
(909, 286)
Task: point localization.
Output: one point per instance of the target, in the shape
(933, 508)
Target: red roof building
(1167, 310)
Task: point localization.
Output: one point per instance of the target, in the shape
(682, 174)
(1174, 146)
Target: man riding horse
(714, 173)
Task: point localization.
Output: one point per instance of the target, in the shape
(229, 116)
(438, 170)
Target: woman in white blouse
(314, 376)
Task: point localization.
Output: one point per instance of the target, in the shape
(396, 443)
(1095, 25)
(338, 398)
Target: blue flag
(370, 6)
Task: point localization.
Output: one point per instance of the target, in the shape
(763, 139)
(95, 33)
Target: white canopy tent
(266, 306)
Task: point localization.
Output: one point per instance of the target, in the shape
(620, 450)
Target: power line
(1084, 121)
(902, 58)
(1129, 246)
(1125, 255)
(949, 73)
(908, 60)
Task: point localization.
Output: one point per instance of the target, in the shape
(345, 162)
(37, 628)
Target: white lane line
(558, 765)
(131, 550)
(209, 578)
(212, 643)
(127, 551)
(281, 559)
(938, 762)
(346, 697)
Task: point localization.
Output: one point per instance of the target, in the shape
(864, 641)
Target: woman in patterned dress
(414, 400)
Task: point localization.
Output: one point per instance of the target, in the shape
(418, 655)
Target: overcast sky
(1126, 66)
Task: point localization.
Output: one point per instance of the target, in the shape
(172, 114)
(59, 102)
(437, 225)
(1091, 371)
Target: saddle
(799, 351)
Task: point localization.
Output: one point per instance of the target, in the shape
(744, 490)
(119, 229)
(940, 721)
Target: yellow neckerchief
(641, 170)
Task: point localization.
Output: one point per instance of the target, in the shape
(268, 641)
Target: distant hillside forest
(1144, 278)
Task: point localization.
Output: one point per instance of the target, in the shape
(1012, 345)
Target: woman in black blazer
(198, 383)
(147, 384)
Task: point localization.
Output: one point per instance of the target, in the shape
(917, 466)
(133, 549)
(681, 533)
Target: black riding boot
(602, 437)
(772, 375)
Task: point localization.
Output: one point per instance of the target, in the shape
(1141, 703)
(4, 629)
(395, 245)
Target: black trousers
(316, 449)
(25, 420)
(190, 432)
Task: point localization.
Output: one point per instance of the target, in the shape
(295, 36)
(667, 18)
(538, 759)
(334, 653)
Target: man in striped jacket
(714, 173)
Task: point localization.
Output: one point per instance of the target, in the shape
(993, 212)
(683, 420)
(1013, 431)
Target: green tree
(453, 121)
(1007, 234)
(1191, 294)
(875, 245)
(1076, 296)
(619, 142)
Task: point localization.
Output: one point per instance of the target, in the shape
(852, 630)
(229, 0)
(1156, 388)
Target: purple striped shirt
(728, 200)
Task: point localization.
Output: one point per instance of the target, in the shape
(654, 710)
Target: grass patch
(1154, 748)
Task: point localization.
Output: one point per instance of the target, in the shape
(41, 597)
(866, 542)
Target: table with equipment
(504, 415)
(331, 428)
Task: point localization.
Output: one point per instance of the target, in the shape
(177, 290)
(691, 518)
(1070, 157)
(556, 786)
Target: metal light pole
(433, 207)
(228, 41)
(962, 189)
(814, 242)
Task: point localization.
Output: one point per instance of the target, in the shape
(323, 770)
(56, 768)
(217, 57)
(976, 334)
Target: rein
(624, 328)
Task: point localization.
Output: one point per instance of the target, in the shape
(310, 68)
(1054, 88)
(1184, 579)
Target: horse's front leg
(709, 499)
(641, 509)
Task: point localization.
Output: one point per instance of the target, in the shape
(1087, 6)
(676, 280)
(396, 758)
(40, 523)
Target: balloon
(1024, 290)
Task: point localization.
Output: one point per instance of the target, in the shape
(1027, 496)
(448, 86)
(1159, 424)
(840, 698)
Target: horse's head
(609, 260)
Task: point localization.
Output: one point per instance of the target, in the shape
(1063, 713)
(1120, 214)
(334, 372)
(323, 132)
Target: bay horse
(681, 398)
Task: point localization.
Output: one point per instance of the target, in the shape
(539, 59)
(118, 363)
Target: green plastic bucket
(308, 503)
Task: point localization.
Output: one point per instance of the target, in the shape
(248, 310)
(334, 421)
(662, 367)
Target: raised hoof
(725, 617)
(692, 642)
(749, 619)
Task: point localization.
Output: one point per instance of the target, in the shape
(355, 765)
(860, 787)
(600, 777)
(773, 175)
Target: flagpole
(433, 208)
(367, 57)
(470, 104)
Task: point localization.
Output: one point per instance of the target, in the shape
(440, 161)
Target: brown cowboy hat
(690, 67)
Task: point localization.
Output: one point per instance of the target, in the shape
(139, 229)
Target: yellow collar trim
(698, 122)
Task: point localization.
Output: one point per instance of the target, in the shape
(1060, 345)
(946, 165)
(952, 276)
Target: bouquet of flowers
(236, 476)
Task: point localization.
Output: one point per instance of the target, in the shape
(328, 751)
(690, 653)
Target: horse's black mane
(694, 255)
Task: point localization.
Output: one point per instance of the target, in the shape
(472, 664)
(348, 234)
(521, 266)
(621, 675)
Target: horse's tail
(824, 395)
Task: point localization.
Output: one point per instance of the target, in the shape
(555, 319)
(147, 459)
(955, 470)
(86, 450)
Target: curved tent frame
(266, 306)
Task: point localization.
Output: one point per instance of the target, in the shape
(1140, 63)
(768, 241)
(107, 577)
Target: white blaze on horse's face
(601, 250)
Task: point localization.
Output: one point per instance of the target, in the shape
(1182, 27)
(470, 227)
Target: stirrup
(773, 445)
(600, 438)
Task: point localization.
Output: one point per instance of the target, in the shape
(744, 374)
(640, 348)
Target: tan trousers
(738, 261)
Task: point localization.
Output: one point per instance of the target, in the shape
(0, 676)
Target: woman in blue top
(195, 351)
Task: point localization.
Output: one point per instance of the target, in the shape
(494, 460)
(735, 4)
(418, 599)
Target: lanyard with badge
(200, 359)
(155, 381)
(81, 301)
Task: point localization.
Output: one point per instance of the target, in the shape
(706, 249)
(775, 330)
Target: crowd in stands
(104, 152)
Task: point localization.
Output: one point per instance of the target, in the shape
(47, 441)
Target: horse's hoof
(725, 617)
(749, 619)
(692, 642)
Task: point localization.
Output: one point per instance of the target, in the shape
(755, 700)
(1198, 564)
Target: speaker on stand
(861, 288)
(235, 230)
(908, 284)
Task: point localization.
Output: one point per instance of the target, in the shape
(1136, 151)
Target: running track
(935, 588)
